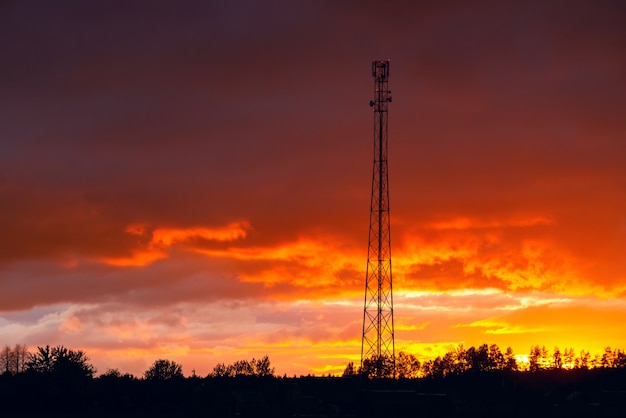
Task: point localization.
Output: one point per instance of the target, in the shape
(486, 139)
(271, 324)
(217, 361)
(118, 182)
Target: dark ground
(547, 393)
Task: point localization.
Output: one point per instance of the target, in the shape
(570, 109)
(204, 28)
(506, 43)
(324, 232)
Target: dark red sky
(192, 181)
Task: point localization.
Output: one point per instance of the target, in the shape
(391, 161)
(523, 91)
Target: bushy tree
(582, 361)
(534, 359)
(378, 367)
(545, 358)
(349, 371)
(455, 361)
(442, 366)
(510, 363)
(558, 358)
(254, 367)
(262, 367)
(451, 363)
(164, 370)
(496, 358)
(407, 366)
(5, 360)
(61, 361)
(619, 359)
(568, 358)
(608, 358)
(113, 374)
(478, 358)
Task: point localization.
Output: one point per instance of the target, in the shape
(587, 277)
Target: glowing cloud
(308, 263)
(169, 236)
(164, 238)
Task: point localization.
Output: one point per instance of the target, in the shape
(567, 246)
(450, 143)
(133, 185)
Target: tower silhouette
(377, 345)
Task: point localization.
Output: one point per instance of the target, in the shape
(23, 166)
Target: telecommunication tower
(378, 333)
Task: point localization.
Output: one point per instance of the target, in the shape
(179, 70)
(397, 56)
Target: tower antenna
(378, 347)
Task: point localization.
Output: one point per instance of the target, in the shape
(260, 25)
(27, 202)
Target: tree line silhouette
(64, 362)
(60, 381)
(485, 358)
(61, 360)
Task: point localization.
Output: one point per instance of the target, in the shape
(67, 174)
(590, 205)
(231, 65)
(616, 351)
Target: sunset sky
(191, 180)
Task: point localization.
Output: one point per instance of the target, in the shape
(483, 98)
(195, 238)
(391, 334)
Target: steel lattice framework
(378, 328)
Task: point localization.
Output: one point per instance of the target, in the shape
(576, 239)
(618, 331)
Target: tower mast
(378, 345)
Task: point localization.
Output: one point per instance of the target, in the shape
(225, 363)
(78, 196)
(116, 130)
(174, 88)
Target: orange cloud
(519, 253)
(162, 239)
(170, 236)
(137, 259)
(307, 263)
(492, 326)
(466, 223)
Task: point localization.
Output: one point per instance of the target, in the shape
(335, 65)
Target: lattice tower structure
(378, 345)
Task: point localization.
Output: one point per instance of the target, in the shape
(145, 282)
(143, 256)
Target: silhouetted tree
(544, 362)
(458, 360)
(258, 368)
(510, 363)
(5, 360)
(438, 368)
(450, 364)
(115, 374)
(407, 366)
(220, 370)
(558, 359)
(534, 359)
(349, 371)
(42, 360)
(13, 360)
(378, 367)
(496, 358)
(595, 361)
(262, 367)
(568, 358)
(60, 361)
(608, 358)
(619, 359)
(243, 368)
(164, 370)
(478, 358)
(21, 353)
(582, 361)
(112, 373)
(427, 368)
